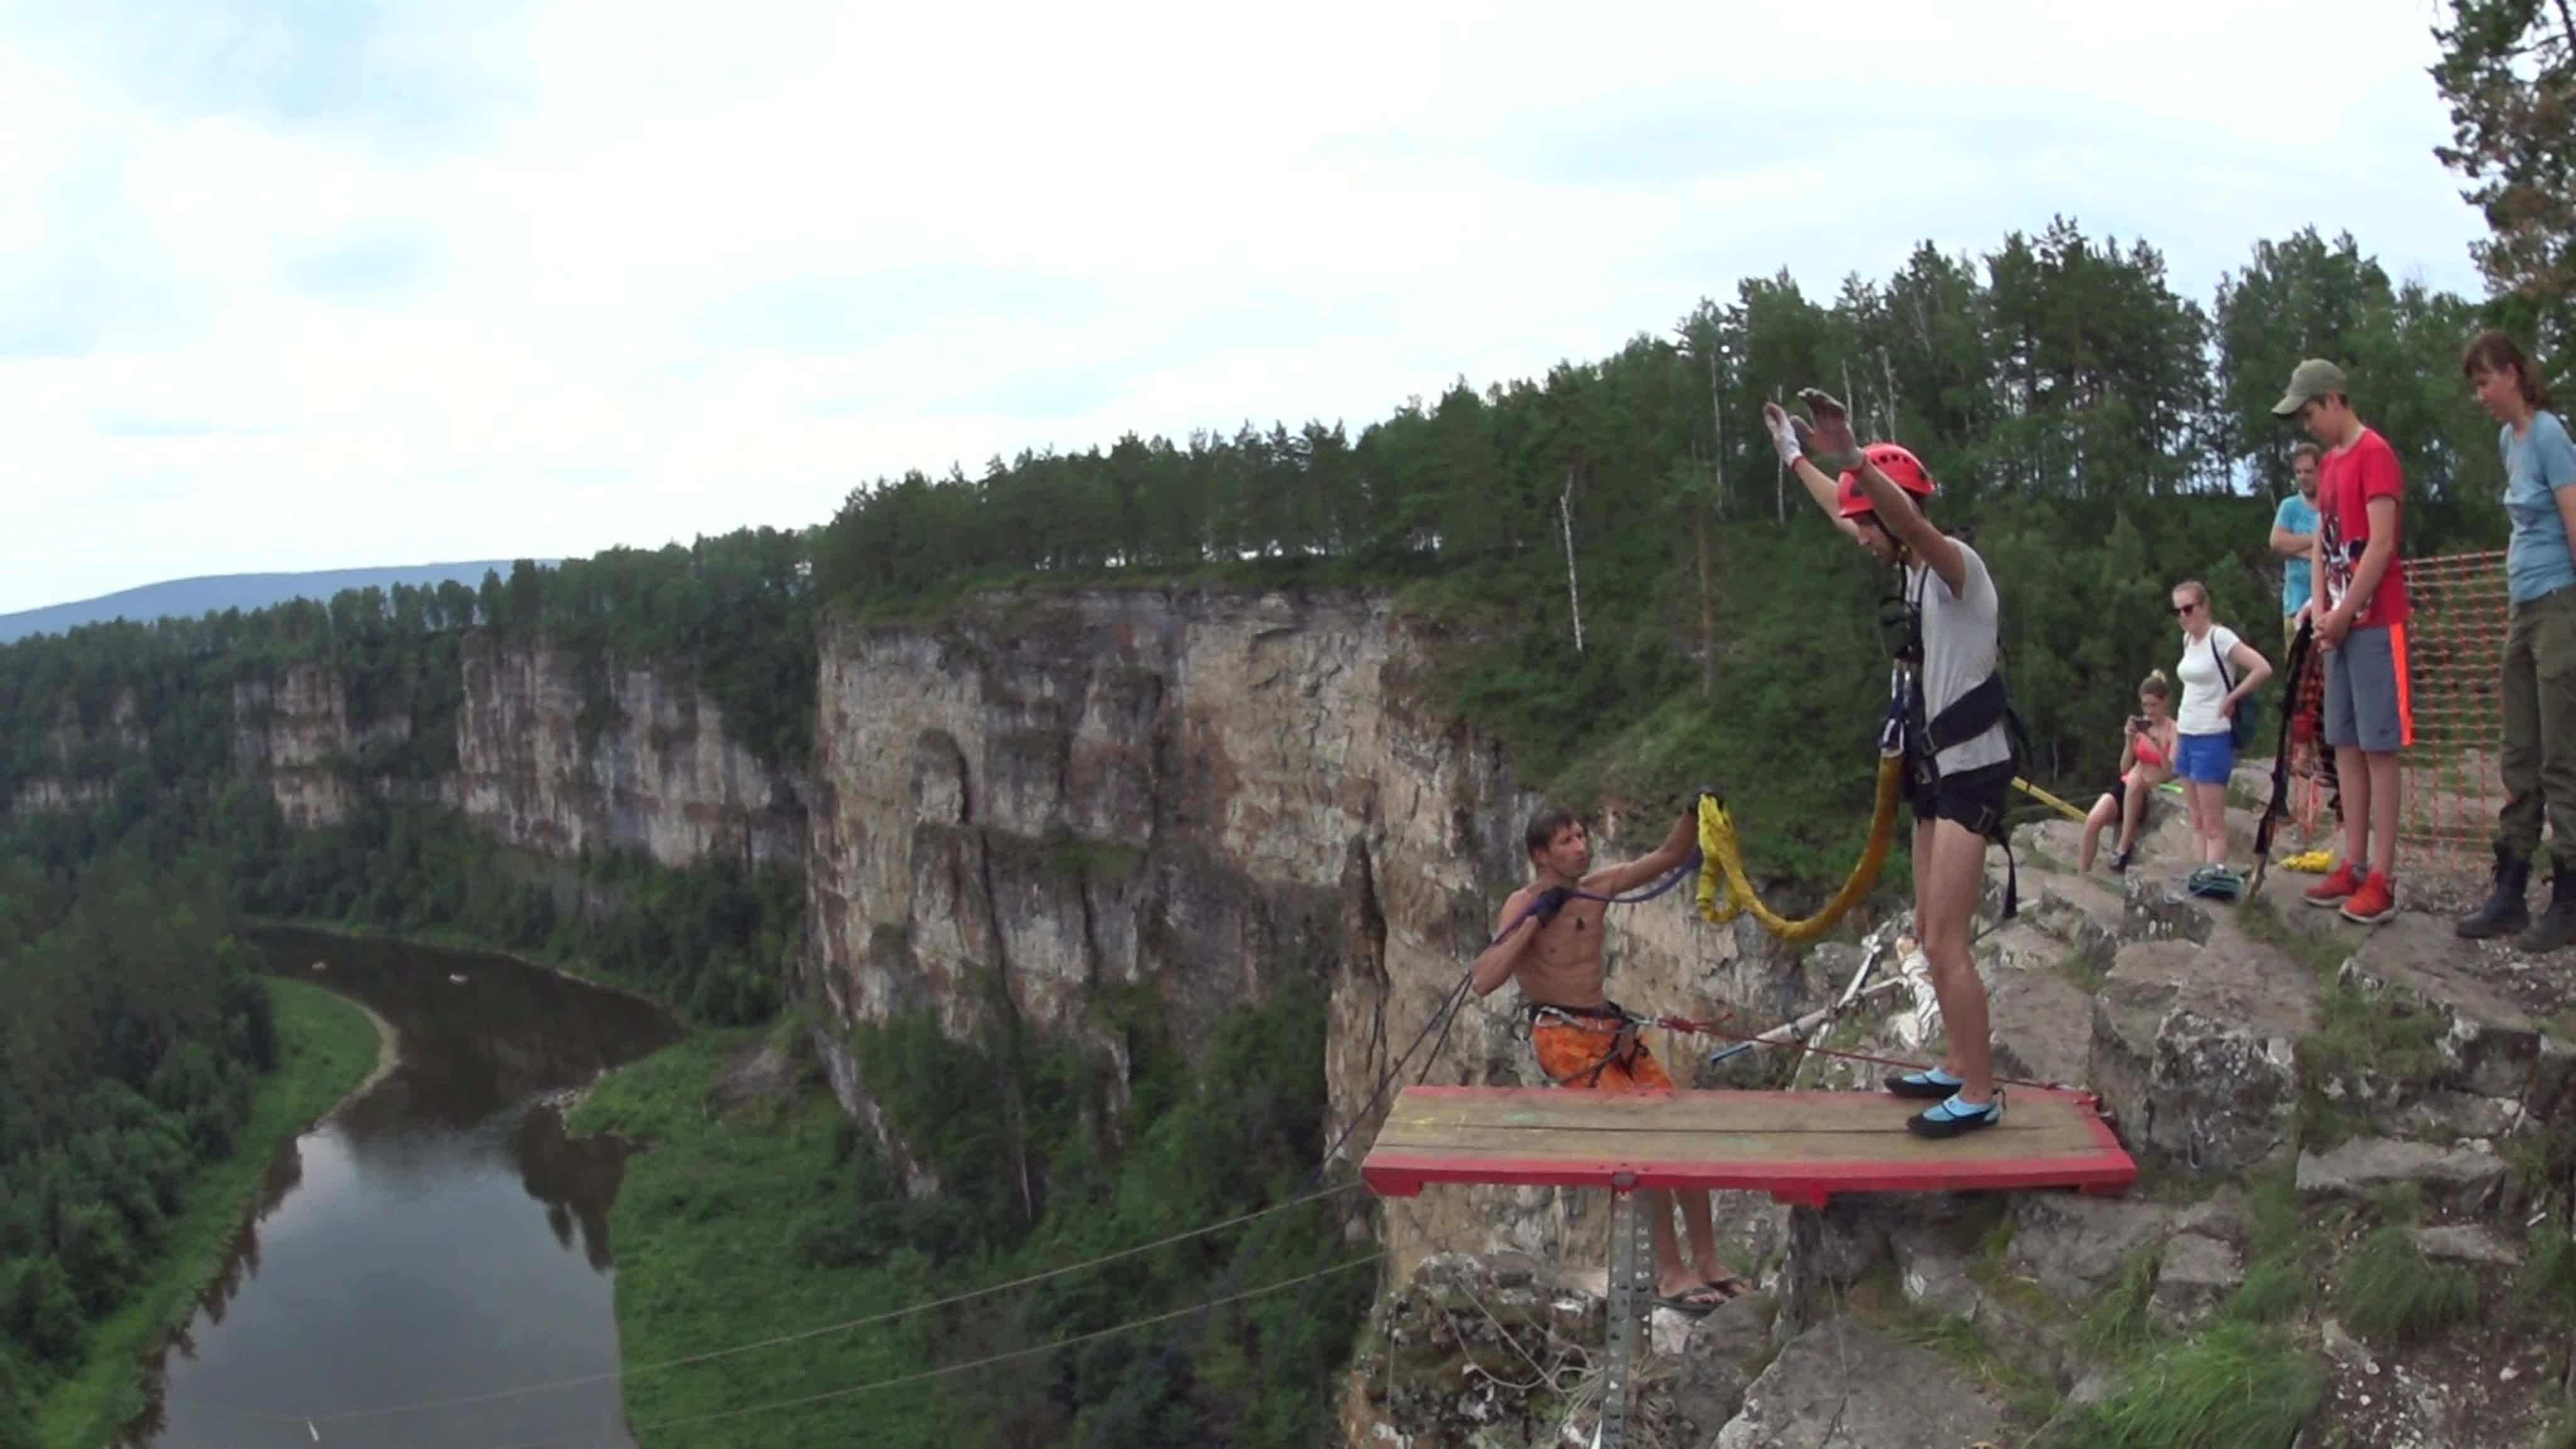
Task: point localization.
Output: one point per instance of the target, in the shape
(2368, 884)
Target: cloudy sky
(291, 284)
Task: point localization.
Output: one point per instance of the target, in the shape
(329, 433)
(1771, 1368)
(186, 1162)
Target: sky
(301, 284)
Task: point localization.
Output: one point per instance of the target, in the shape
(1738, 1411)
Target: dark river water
(437, 1240)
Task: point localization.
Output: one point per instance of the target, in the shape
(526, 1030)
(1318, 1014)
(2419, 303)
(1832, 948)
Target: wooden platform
(1801, 1147)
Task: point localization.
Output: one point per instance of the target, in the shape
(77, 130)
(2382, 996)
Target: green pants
(2540, 725)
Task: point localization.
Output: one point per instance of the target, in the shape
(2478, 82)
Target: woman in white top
(2218, 670)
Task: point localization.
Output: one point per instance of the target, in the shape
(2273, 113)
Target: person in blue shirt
(2539, 683)
(2294, 537)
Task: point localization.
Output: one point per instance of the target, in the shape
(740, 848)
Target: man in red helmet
(1958, 748)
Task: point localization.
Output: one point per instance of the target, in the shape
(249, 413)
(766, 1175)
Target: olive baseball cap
(2311, 379)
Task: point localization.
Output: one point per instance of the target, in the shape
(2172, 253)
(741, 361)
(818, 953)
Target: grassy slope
(325, 1047)
(684, 1290)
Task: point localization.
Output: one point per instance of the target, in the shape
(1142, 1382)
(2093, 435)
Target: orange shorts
(1570, 1050)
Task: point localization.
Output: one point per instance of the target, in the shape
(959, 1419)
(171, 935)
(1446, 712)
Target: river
(435, 1243)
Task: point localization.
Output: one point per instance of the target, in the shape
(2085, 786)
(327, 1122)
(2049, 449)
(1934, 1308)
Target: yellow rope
(2044, 798)
(1725, 892)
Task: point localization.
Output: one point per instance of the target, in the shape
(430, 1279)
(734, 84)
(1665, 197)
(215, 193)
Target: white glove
(1784, 432)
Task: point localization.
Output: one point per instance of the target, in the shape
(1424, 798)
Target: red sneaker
(2334, 889)
(2376, 901)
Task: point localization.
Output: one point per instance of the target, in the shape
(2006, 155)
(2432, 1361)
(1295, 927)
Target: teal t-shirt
(2296, 515)
(2536, 466)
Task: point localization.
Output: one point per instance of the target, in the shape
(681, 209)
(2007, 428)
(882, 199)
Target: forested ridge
(127, 1058)
(1620, 586)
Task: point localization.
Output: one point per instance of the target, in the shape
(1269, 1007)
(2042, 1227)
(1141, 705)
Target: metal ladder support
(1632, 1259)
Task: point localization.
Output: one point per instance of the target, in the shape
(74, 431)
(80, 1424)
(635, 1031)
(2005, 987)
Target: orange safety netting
(2455, 661)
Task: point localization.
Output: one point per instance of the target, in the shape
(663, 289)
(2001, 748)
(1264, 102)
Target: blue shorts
(2205, 759)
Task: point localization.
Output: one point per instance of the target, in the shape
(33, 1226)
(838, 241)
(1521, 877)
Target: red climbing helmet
(1902, 469)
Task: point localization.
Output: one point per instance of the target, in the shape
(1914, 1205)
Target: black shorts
(1975, 798)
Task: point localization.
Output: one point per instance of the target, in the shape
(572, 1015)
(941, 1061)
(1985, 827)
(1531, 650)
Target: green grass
(2390, 1293)
(2117, 1326)
(2240, 1383)
(2278, 1273)
(706, 1230)
(325, 1047)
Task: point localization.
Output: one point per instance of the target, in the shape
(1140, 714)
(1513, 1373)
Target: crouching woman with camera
(2146, 761)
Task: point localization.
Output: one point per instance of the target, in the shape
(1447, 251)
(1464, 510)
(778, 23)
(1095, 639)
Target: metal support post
(1632, 1261)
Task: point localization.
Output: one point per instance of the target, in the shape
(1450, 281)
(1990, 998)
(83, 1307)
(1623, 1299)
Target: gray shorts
(2366, 702)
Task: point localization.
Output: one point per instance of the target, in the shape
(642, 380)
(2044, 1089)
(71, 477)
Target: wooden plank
(1801, 1146)
(1733, 1147)
(1759, 1111)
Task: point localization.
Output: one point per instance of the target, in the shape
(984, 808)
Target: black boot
(2557, 925)
(2504, 912)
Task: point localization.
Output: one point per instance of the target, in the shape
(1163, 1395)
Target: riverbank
(328, 1048)
(731, 1228)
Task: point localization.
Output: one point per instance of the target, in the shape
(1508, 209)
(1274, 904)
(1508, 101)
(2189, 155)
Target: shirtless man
(1549, 940)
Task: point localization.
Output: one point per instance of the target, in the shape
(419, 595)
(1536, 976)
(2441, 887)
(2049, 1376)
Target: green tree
(2508, 72)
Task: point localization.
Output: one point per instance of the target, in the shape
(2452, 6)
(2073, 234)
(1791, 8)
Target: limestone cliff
(660, 773)
(1201, 791)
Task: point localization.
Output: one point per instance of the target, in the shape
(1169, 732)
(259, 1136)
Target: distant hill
(190, 598)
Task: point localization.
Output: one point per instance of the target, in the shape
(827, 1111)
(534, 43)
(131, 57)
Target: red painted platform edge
(1505, 1094)
(1404, 1174)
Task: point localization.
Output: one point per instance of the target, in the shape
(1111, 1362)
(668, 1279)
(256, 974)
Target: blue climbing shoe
(1927, 1086)
(1951, 1118)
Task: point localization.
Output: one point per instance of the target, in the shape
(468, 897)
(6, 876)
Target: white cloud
(540, 279)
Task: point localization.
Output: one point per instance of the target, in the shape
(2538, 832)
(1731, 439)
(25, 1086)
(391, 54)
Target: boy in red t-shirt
(2359, 596)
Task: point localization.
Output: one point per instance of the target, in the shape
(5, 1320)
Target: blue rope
(1680, 873)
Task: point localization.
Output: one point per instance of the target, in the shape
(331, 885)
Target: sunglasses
(2182, 609)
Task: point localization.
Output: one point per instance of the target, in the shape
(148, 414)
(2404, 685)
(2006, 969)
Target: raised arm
(1679, 843)
(1832, 439)
(1793, 454)
(1898, 515)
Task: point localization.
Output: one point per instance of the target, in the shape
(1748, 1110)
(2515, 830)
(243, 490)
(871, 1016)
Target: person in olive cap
(2358, 608)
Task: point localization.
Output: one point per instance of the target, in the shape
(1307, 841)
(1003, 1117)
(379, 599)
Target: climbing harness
(1621, 1051)
(1986, 705)
(1623, 1041)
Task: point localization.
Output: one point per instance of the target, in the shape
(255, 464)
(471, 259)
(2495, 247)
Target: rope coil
(1726, 890)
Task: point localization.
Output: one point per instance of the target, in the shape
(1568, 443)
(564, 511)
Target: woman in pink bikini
(2146, 761)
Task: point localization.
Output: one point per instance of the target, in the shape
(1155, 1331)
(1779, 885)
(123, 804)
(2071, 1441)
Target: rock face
(655, 772)
(659, 773)
(1845, 1385)
(70, 743)
(1199, 793)
(294, 732)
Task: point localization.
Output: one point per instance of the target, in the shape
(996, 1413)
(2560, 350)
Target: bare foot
(1696, 1296)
